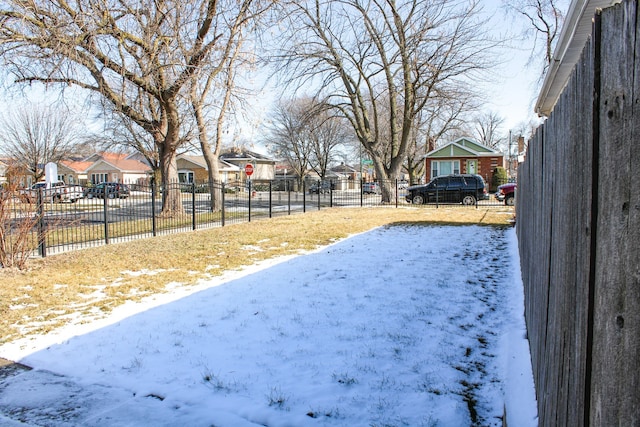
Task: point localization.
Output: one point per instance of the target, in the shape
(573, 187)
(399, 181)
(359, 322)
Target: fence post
(477, 193)
(319, 193)
(106, 215)
(222, 197)
(330, 194)
(288, 197)
(361, 192)
(270, 197)
(304, 196)
(42, 236)
(250, 189)
(153, 206)
(396, 193)
(193, 205)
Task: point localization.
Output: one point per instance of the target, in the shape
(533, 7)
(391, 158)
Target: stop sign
(248, 169)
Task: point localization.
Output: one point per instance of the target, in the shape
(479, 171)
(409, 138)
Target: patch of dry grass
(89, 283)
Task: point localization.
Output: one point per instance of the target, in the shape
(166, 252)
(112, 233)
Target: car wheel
(510, 201)
(418, 199)
(89, 195)
(111, 195)
(469, 200)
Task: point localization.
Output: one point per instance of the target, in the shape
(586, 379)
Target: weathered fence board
(616, 352)
(578, 229)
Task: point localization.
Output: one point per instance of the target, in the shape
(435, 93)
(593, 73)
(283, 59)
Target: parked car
(371, 188)
(113, 189)
(507, 193)
(465, 189)
(321, 187)
(57, 191)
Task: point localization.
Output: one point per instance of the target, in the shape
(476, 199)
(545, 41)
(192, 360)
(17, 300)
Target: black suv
(114, 190)
(465, 189)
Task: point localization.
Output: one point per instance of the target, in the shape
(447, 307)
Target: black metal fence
(97, 220)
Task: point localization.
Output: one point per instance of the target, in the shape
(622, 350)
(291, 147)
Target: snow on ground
(400, 326)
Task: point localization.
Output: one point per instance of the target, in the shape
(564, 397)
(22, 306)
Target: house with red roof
(116, 167)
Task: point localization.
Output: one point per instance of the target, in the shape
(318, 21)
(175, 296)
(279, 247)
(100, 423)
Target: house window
(444, 167)
(97, 178)
(185, 177)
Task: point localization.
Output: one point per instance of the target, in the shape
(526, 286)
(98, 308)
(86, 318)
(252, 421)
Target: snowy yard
(400, 326)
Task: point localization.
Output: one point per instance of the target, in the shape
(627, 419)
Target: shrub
(17, 222)
(499, 178)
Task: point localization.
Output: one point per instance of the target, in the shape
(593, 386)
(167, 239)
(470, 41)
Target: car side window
(473, 182)
(455, 183)
(441, 183)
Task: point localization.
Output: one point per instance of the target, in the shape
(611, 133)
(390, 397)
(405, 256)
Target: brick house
(463, 155)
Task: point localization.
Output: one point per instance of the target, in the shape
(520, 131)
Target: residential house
(347, 171)
(73, 171)
(264, 168)
(193, 168)
(116, 167)
(463, 155)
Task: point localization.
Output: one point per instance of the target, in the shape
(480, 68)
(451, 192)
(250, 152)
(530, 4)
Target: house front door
(472, 166)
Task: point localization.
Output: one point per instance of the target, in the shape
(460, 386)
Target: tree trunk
(215, 190)
(171, 195)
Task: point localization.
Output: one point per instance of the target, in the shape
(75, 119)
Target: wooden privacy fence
(578, 224)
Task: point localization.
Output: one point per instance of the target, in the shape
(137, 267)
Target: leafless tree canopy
(440, 118)
(543, 20)
(286, 134)
(138, 55)
(380, 62)
(488, 130)
(33, 135)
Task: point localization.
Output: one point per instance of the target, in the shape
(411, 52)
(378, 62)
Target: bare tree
(33, 135)
(544, 21)
(139, 56)
(120, 131)
(327, 134)
(213, 96)
(366, 55)
(287, 137)
(438, 119)
(488, 130)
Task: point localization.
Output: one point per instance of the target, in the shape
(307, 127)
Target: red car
(507, 193)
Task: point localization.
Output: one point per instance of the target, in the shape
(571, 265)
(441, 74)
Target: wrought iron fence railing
(135, 211)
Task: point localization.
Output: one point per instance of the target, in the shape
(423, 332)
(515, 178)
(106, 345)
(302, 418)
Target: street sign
(248, 169)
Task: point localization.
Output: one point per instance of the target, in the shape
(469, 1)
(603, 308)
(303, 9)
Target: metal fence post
(106, 215)
(42, 235)
(330, 194)
(477, 192)
(222, 197)
(153, 207)
(286, 183)
(396, 193)
(304, 196)
(249, 183)
(270, 198)
(193, 205)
